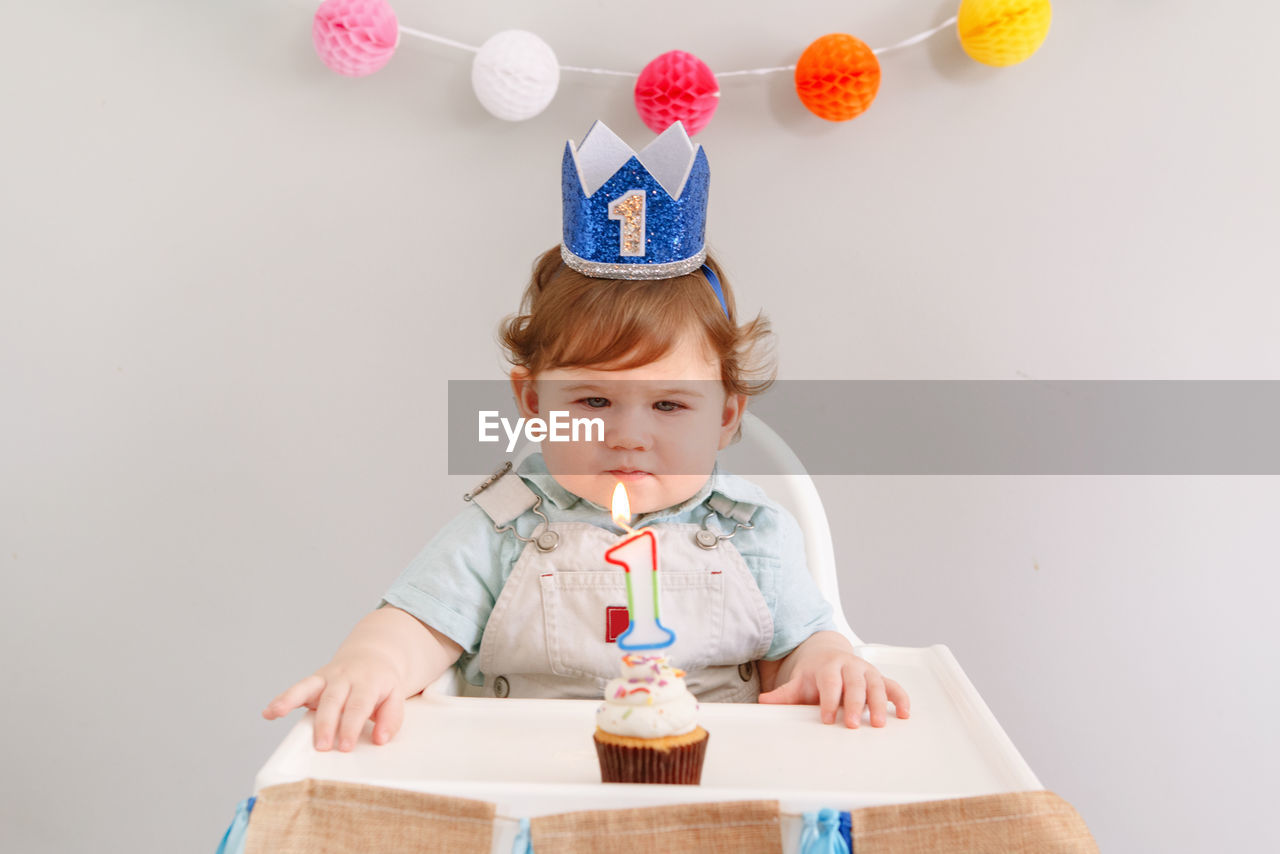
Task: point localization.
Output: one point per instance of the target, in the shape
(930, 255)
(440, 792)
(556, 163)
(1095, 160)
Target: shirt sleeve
(455, 580)
(799, 608)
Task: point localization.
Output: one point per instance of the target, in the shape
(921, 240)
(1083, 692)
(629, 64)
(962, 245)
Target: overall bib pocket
(576, 606)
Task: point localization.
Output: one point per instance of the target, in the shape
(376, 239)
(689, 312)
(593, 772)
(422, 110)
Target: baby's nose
(627, 441)
(627, 433)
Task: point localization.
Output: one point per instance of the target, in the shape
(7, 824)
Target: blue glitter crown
(634, 216)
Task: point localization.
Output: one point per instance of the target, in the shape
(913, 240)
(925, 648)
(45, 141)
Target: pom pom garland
(355, 37)
(1003, 32)
(677, 86)
(837, 77)
(515, 75)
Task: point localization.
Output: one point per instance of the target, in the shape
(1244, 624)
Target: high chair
(760, 448)
(534, 758)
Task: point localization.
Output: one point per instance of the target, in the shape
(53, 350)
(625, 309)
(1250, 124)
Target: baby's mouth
(627, 474)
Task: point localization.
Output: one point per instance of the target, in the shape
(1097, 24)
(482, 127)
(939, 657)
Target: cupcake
(647, 729)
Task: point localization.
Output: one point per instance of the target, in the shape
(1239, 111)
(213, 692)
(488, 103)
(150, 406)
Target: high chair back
(759, 449)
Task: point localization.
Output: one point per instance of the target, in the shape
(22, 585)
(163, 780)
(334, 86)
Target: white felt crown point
(669, 158)
(515, 75)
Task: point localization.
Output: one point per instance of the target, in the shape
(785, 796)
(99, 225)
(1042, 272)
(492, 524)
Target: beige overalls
(551, 631)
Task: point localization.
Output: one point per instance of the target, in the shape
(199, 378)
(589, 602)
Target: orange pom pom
(837, 77)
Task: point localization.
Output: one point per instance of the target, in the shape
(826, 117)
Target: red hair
(570, 320)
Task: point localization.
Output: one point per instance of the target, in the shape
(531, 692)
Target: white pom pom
(515, 75)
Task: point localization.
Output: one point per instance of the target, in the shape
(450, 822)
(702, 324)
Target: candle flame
(621, 506)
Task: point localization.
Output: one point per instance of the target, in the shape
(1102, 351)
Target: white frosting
(650, 700)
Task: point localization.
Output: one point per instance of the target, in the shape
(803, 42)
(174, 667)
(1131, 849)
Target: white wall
(235, 285)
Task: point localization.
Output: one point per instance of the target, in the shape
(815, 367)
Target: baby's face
(663, 424)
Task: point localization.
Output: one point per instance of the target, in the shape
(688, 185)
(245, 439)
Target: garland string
(907, 42)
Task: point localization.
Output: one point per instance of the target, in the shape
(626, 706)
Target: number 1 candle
(638, 555)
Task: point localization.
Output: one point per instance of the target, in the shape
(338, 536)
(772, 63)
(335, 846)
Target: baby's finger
(360, 705)
(829, 683)
(388, 717)
(298, 694)
(789, 693)
(328, 711)
(855, 696)
(898, 697)
(875, 697)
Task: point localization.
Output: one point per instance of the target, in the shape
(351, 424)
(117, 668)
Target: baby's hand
(824, 671)
(345, 693)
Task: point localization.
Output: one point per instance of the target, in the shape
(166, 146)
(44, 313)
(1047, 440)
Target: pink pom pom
(355, 37)
(677, 86)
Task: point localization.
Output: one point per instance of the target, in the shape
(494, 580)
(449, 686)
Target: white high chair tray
(536, 757)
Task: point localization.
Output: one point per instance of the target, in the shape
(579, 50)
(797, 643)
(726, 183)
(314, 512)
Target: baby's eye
(668, 406)
(595, 402)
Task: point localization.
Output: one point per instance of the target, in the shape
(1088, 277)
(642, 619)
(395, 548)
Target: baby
(639, 331)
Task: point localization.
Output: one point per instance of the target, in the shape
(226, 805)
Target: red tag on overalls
(616, 621)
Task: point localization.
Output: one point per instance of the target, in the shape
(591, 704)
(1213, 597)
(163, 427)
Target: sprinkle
(627, 714)
(621, 692)
(662, 683)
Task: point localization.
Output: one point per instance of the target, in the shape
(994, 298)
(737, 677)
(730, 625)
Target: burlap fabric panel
(1018, 823)
(324, 817)
(723, 828)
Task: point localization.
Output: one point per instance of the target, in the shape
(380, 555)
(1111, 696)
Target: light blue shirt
(453, 583)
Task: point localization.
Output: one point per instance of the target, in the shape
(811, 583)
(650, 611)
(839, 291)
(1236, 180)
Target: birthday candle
(638, 555)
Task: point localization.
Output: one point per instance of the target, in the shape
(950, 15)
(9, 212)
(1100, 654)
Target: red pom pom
(677, 86)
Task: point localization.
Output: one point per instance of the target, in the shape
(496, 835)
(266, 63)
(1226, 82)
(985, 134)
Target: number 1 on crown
(629, 209)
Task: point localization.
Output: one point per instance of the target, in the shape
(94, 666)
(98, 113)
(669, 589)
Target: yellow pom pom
(1003, 32)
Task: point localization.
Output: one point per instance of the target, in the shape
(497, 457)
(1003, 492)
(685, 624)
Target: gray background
(235, 286)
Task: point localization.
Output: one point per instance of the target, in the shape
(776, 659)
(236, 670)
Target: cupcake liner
(680, 765)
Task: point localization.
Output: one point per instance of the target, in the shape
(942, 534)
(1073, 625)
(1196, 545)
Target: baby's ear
(525, 391)
(735, 405)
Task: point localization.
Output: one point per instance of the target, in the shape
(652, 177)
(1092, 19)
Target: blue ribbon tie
(524, 841)
(233, 839)
(825, 832)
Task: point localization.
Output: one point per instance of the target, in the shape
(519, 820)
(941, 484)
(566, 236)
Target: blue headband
(714, 281)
